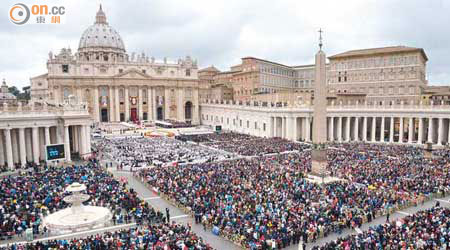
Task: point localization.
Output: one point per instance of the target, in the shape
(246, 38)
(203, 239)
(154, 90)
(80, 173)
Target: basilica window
(144, 71)
(65, 68)
(105, 58)
(188, 72)
(120, 71)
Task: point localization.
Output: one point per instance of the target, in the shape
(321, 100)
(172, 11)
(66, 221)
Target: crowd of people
(28, 197)
(255, 200)
(427, 229)
(156, 236)
(242, 144)
(141, 151)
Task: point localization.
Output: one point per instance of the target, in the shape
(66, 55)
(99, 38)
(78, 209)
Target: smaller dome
(101, 35)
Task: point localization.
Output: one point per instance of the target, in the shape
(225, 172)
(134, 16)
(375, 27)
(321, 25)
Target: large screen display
(55, 152)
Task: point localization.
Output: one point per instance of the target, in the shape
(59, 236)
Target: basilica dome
(101, 36)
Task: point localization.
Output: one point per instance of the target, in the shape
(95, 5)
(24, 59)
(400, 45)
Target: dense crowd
(26, 198)
(243, 144)
(140, 151)
(217, 137)
(427, 229)
(251, 201)
(157, 236)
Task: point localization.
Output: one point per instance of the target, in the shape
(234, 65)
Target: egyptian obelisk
(319, 153)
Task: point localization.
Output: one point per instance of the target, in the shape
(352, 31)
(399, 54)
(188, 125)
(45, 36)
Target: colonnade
(21, 145)
(389, 129)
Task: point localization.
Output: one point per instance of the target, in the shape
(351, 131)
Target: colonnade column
(420, 133)
(28, 141)
(96, 106)
(127, 105)
(347, 129)
(2, 149)
(47, 135)
(339, 129)
(401, 131)
(9, 152)
(365, 129)
(430, 130)
(331, 128)
(83, 141)
(23, 152)
(374, 129)
(448, 139)
(272, 127)
(308, 129)
(88, 139)
(382, 129)
(67, 142)
(283, 127)
(410, 130)
(117, 101)
(15, 145)
(356, 129)
(391, 130)
(35, 134)
(111, 103)
(76, 142)
(440, 131)
(140, 113)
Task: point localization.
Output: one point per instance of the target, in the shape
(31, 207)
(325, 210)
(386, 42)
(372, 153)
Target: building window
(144, 71)
(120, 71)
(188, 72)
(65, 68)
(264, 126)
(105, 58)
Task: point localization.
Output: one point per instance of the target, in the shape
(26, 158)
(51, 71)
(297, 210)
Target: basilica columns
(166, 103)
(382, 134)
(140, 111)
(149, 104)
(127, 105)
(96, 106)
(2, 149)
(154, 113)
(112, 105)
(272, 127)
(117, 101)
(180, 104)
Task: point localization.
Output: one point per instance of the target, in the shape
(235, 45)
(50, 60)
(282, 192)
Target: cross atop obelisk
(320, 39)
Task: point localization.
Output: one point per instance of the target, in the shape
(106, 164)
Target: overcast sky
(221, 32)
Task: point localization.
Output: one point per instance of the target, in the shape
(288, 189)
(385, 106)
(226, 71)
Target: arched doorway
(159, 114)
(188, 111)
(104, 115)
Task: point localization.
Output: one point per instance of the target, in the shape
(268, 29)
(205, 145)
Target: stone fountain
(77, 217)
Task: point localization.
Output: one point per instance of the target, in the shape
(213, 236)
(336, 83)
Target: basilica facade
(117, 86)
